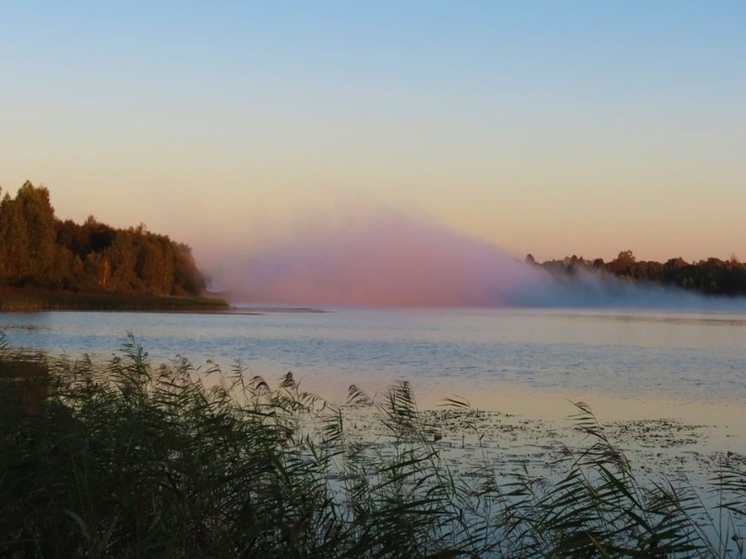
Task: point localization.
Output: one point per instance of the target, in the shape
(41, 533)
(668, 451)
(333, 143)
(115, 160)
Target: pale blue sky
(547, 127)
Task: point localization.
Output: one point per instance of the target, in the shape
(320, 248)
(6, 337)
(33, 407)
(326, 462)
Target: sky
(543, 127)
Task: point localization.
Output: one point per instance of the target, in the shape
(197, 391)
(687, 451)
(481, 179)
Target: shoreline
(22, 300)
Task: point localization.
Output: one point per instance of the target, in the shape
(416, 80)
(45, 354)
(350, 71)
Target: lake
(670, 387)
(621, 359)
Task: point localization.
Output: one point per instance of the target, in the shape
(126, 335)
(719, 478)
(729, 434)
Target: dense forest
(711, 277)
(37, 250)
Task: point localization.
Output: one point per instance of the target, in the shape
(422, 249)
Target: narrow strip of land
(44, 300)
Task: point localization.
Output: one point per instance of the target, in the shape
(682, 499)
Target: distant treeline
(37, 250)
(712, 276)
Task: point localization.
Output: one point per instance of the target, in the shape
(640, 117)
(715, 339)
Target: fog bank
(392, 259)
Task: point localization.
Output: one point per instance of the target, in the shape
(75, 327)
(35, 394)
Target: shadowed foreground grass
(132, 460)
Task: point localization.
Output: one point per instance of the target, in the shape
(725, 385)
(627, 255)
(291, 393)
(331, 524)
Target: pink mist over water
(387, 260)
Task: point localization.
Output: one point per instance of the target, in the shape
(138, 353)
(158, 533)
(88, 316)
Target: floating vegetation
(27, 327)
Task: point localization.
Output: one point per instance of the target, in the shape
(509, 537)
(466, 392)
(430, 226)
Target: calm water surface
(497, 358)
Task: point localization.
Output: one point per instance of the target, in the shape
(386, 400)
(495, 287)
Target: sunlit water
(629, 355)
(627, 365)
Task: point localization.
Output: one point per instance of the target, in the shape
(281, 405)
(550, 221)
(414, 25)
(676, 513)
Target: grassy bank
(36, 300)
(132, 460)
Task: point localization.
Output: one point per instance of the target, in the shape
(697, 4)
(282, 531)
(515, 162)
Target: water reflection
(620, 355)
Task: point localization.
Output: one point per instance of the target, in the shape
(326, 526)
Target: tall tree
(621, 264)
(15, 247)
(38, 216)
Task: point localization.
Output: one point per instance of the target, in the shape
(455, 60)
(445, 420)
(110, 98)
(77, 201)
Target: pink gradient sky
(538, 127)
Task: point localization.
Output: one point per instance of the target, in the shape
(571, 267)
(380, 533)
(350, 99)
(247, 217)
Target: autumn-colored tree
(36, 249)
(187, 279)
(15, 247)
(38, 217)
(621, 264)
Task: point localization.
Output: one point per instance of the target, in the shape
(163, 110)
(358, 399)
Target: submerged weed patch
(132, 460)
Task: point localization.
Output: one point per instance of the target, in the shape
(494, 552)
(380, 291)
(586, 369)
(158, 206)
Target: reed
(134, 460)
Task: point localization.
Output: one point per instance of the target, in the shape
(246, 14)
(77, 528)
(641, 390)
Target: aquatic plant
(128, 459)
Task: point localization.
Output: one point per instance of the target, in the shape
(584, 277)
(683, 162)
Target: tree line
(37, 250)
(712, 276)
